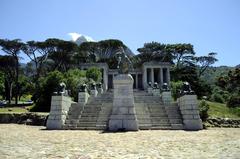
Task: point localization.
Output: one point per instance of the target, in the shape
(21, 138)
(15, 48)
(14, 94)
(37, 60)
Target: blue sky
(210, 25)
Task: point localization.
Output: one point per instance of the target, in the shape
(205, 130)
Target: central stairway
(151, 113)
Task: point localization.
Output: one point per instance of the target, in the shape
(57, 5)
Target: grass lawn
(15, 109)
(222, 111)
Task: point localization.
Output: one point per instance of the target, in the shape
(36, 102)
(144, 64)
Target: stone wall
(59, 109)
(190, 112)
(222, 122)
(24, 118)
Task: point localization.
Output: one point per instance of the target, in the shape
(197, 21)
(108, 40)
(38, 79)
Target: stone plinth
(59, 109)
(94, 92)
(123, 116)
(100, 90)
(156, 92)
(150, 90)
(83, 97)
(190, 112)
(167, 97)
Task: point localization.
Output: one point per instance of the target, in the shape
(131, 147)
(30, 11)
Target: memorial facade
(148, 73)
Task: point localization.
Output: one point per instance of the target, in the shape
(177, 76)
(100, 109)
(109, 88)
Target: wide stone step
(89, 115)
(175, 121)
(174, 116)
(157, 115)
(92, 108)
(161, 127)
(177, 126)
(160, 120)
(86, 128)
(160, 123)
(148, 101)
(145, 126)
(101, 127)
(88, 118)
(71, 121)
(86, 123)
(90, 112)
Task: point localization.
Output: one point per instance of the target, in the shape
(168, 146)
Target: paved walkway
(20, 141)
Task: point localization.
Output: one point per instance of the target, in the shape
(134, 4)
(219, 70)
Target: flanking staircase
(93, 116)
(74, 114)
(153, 114)
(174, 116)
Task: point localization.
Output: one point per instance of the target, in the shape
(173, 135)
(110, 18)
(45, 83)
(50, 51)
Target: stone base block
(123, 125)
(54, 124)
(193, 124)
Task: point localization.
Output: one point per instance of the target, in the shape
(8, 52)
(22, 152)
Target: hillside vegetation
(222, 111)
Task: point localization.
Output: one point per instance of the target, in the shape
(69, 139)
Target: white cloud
(75, 36)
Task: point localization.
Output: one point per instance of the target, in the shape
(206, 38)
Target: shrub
(203, 110)
(216, 97)
(48, 86)
(234, 101)
(94, 73)
(175, 88)
(74, 78)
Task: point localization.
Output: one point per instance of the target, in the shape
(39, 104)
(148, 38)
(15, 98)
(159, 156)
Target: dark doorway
(134, 80)
(140, 85)
(110, 81)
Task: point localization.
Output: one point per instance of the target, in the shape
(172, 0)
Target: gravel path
(21, 141)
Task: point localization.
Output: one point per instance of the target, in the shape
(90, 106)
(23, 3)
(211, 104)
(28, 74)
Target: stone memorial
(123, 116)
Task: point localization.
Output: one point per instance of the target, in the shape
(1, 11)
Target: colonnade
(153, 74)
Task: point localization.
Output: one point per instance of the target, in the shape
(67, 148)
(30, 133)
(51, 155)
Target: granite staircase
(93, 116)
(153, 114)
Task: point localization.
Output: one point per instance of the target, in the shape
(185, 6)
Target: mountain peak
(80, 38)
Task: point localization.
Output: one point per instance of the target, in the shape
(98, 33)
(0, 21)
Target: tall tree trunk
(10, 92)
(16, 81)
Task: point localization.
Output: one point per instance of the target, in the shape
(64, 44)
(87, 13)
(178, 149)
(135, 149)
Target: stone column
(144, 78)
(59, 109)
(105, 80)
(123, 116)
(161, 77)
(168, 76)
(136, 81)
(152, 76)
(190, 112)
